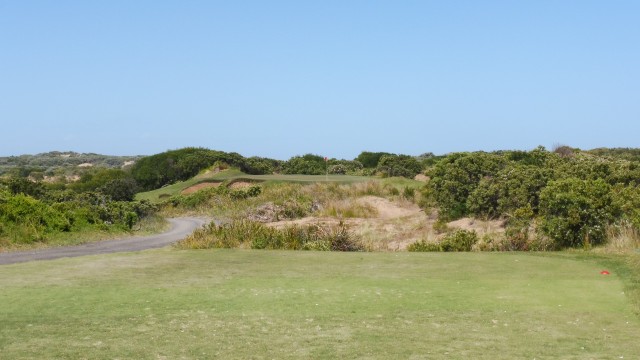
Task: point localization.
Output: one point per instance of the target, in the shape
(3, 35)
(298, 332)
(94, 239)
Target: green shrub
(370, 159)
(576, 212)
(18, 185)
(517, 230)
(31, 218)
(260, 166)
(155, 171)
(440, 226)
(130, 219)
(459, 240)
(424, 246)
(483, 200)
(454, 179)
(251, 191)
(627, 199)
(399, 165)
(308, 164)
(511, 188)
(120, 189)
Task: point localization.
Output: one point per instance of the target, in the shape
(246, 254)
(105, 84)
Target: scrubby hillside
(55, 163)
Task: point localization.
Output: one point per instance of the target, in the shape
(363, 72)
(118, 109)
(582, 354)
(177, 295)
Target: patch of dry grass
(348, 209)
(622, 238)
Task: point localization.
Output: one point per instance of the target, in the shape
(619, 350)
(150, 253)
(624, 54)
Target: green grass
(239, 304)
(235, 175)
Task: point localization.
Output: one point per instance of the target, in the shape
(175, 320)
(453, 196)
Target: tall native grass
(622, 238)
(255, 235)
(323, 199)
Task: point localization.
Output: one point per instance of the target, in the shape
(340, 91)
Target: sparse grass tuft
(622, 238)
(348, 209)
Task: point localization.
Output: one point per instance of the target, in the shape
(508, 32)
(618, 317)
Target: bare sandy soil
(194, 188)
(240, 185)
(396, 225)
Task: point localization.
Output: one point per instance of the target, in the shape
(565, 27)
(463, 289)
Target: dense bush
(160, 169)
(369, 159)
(120, 189)
(571, 197)
(459, 240)
(512, 188)
(628, 154)
(23, 210)
(18, 185)
(399, 165)
(518, 229)
(154, 171)
(26, 219)
(627, 199)
(94, 179)
(343, 167)
(423, 246)
(457, 176)
(308, 164)
(260, 166)
(576, 212)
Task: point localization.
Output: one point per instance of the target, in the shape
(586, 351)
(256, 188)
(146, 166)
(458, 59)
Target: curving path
(180, 228)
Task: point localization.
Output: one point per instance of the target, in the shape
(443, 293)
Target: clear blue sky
(282, 78)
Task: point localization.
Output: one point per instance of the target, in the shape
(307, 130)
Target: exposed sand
(194, 188)
(398, 224)
(240, 185)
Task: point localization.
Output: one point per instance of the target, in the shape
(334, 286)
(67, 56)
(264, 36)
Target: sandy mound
(388, 210)
(422, 177)
(194, 188)
(396, 225)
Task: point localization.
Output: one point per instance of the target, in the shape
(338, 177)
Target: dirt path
(180, 228)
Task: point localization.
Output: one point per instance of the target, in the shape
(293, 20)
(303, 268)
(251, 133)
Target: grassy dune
(234, 304)
(236, 175)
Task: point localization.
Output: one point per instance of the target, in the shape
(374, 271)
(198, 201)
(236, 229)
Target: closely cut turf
(276, 305)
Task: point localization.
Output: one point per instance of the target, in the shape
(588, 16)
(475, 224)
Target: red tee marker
(604, 272)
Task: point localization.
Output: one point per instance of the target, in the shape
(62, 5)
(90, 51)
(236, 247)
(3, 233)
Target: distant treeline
(58, 163)
(155, 171)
